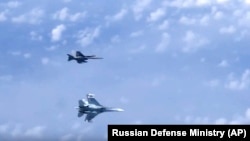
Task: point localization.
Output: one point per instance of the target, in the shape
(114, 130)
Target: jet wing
(81, 61)
(90, 116)
(92, 100)
(79, 54)
(80, 114)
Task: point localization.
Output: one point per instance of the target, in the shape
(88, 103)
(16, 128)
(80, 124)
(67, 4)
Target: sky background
(165, 62)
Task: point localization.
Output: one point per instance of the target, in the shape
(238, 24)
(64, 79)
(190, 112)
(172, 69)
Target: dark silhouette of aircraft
(80, 58)
(91, 107)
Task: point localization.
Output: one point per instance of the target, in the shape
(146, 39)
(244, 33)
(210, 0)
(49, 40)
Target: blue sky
(165, 62)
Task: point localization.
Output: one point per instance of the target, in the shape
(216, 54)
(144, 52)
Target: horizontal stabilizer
(80, 114)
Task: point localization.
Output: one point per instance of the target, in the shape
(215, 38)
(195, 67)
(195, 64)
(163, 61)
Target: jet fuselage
(91, 108)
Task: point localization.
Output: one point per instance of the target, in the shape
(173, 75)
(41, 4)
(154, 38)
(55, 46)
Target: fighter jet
(91, 107)
(80, 58)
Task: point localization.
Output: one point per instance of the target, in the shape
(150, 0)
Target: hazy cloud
(239, 83)
(139, 7)
(193, 41)
(87, 36)
(165, 40)
(64, 14)
(56, 33)
(32, 17)
(36, 132)
(156, 15)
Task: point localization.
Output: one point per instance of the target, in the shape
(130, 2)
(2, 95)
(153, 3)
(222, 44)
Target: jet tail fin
(70, 57)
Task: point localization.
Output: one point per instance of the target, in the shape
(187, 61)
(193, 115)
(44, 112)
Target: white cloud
(247, 1)
(6, 77)
(221, 121)
(17, 131)
(13, 4)
(2, 17)
(243, 34)
(36, 132)
(18, 53)
(51, 48)
(15, 53)
(218, 15)
(164, 43)
(193, 42)
(67, 137)
(195, 3)
(156, 15)
(136, 34)
(238, 12)
(189, 3)
(164, 25)
(26, 55)
(64, 14)
(202, 60)
(244, 19)
(157, 81)
(235, 122)
(120, 15)
(204, 20)
(4, 128)
(180, 3)
(76, 126)
(213, 83)
(115, 39)
(45, 60)
(137, 122)
(35, 36)
(223, 63)
(117, 17)
(56, 33)
(241, 83)
(248, 114)
(187, 21)
(139, 7)
(196, 120)
(203, 2)
(227, 30)
(221, 1)
(138, 49)
(32, 17)
(87, 36)
(86, 131)
(66, 1)
(240, 119)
